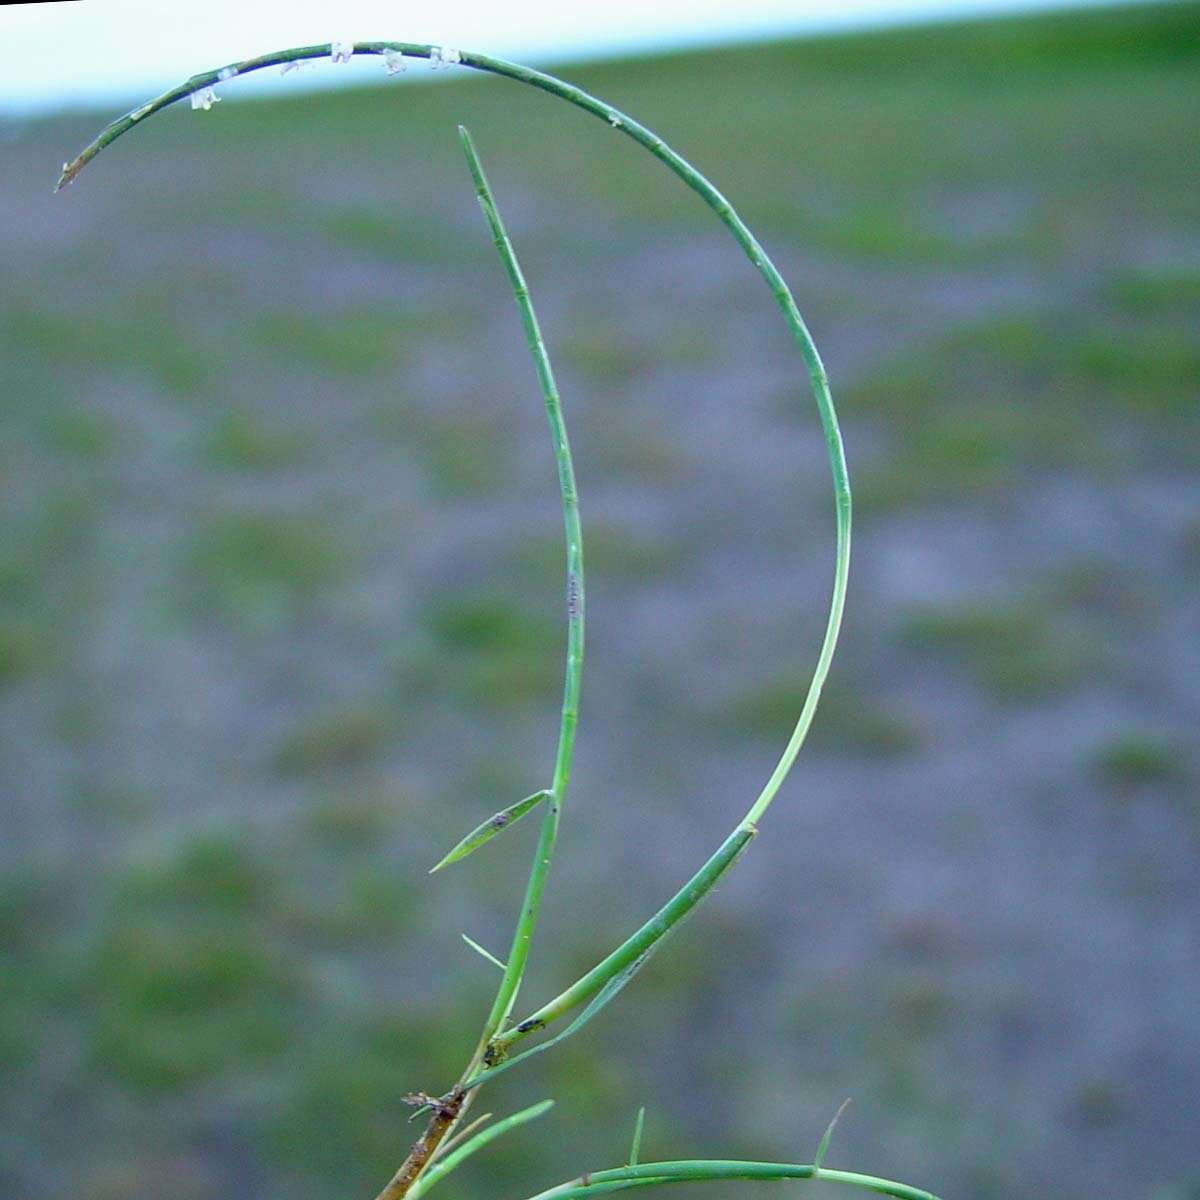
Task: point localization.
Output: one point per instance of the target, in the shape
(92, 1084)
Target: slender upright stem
(519, 953)
(518, 956)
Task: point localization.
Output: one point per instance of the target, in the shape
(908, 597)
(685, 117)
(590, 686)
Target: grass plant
(448, 1139)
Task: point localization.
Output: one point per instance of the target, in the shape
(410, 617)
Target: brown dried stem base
(445, 1113)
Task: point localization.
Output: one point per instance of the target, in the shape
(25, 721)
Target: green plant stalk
(427, 1161)
(701, 883)
(695, 1170)
(523, 936)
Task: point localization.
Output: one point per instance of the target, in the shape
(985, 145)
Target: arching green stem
(725, 213)
(699, 1170)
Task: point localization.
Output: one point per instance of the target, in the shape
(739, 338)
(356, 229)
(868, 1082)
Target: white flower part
(394, 62)
(443, 56)
(204, 99)
(341, 52)
(227, 73)
(614, 120)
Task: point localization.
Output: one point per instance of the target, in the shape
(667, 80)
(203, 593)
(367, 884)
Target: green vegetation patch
(216, 873)
(177, 1001)
(984, 407)
(848, 720)
(78, 432)
(347, 343)
(1015, 649)
(25, 648)
(1156, 293)
(1137, 758)
(464, 454)
(349, 737)
(261, 567)
(498, 654)
(106, 341)
(241, 440)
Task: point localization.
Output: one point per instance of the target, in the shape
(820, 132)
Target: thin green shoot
(481, 951)
(635, 1147)
(627, 126)
(531, 907)
(483, 833)
(827, 1136)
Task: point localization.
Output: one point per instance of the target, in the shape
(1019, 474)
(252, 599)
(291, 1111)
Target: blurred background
(281, 616)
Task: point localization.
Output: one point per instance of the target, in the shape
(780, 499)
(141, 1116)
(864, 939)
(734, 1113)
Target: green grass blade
(827, 1136)
(635, 1147)
(481, 951)
(486, 830)
(711, 196)
(473, 1145)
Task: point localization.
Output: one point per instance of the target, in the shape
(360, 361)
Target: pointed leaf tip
(486, 830)
(480, 950)
(635, 1147)
(827, 1136)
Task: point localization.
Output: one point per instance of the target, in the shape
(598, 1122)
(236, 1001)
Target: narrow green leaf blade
(480, 950)
(636, 1148)
(484, 832)
(827, 1136)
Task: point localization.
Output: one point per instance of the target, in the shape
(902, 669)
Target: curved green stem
(701, 883)
(725, 213)
(697, 1170)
